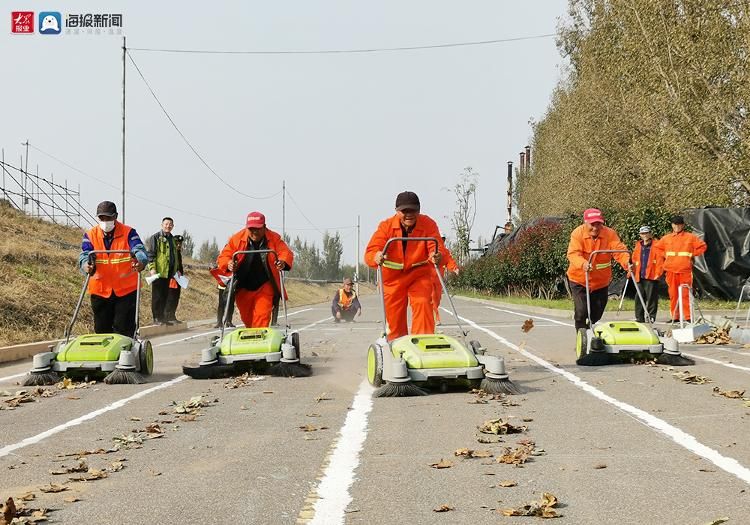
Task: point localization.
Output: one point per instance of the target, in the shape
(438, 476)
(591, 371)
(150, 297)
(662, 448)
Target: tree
(188, 245)
(332, 251)
(466, 211)
(208, 252)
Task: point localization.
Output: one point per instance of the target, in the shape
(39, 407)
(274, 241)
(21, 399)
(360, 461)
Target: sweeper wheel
(209, 372)
(146, 358)
(295, 343)
(582, 348)
(375, 365)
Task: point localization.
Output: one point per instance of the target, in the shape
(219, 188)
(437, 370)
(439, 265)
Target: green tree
(332, 251)
(462, 221)
(188, 245)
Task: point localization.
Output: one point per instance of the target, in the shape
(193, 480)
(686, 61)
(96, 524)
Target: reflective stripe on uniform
(393, 265)
(602, 266)
(679, 254)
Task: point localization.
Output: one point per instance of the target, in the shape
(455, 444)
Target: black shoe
(230, 324)
(170, 323)
(217, 325)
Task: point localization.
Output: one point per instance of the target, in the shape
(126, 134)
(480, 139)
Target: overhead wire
(343, 51)
(130, 193)
(189, 145)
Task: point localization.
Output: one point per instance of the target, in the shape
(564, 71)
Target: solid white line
(86, 417)
(677, 435)
(316, 322)
(717, 362)
(333, 490)
(528, 315)
(8, 378)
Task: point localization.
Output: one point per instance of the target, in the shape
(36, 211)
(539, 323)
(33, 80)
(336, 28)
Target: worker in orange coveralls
(590, 236)
(407, 266)
(680, 248)
(257, 275)
(446, 263)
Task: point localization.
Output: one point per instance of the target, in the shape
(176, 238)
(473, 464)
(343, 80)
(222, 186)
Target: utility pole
(25, 174)
(283, 210)
(357, 254)
(510, 192)
(122, 208)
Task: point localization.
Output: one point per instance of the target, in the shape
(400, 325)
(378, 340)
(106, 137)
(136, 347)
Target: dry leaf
(718, 521)
(517, 456)
(323, 397)
(731, 394)
(53, 488)
(507, 483)
(443, 463)
(468, 453)
(245, 379)
(312, 415)
(542, 509)
(528, 324)
(154, 472)
(600, 466)
(92, 475)
(116, 466)
(498, 426)
(443, 508)
(81, 467)
(268, 391)
(71, 499)
(691, 379)
(135, 419)
(9, 510)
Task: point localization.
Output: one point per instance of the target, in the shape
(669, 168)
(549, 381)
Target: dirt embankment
(39, 282)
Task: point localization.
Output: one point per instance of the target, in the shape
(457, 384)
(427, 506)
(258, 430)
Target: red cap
(255, 219)
(593, 215)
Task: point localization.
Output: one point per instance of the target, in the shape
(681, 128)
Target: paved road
(621, 444)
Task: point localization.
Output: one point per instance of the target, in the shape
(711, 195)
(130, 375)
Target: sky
(346, 132)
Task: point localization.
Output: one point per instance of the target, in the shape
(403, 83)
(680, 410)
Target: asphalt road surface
(617, 444)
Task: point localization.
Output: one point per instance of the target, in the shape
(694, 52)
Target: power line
(184, 138)
(146, 199)
(343, 51)
(303, 213)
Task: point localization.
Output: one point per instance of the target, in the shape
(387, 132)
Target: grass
(39, 283)
(612, 305)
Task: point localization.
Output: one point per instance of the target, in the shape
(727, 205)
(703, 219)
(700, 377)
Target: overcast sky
(346, 131)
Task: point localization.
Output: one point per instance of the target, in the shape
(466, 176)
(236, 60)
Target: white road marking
(677, 435)
(333, 490)
(86, 417)
(9, 378)
(554, 321)
(717, 362)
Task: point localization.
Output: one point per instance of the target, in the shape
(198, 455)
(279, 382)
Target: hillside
(39, 282)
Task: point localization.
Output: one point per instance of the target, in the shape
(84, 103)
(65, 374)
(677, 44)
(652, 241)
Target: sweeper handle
(92, 261)
(380, 270)
(635, 283)
(230, 287)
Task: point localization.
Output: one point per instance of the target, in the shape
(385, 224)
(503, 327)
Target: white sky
(346, 132)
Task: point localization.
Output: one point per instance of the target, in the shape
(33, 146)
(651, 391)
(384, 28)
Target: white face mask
(107, 226)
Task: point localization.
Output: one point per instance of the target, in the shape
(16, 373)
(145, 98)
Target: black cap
(678, 219)
(407, 200)
(178, 238)
(107, 209)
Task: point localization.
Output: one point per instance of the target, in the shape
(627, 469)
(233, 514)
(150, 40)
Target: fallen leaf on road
(468, 453)
(245, 379)
(9, 510)
(706, 470)
(718, 521)
(443, 508)
(716, 336)
(443, 463)
(29, 496)
(488, 440)
(53, 488)
(600, 466)
(498, 426)
(153, 428)
(117, 466)
(71, 499)
(90, 452)
(81, 467)
(129, 441)
(507, 483)
(154, 472)
(311, 428)
(528, 324)
(92, 475)
(73, 398)
(135, 419)
(731, 394)
(516, 456)
(323, 397)
(312, 415)
(691, 379)
(188, 417)
(192, 406)
(542, 509)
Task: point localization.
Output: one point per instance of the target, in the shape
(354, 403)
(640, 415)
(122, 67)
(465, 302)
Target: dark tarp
(725, 266)
(504, 240)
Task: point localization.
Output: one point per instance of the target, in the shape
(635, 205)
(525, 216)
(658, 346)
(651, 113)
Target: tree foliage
(653, 110)
(208, 251)
(462, 221)
(188, 244)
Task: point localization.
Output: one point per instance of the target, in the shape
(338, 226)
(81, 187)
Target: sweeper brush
(411, 364)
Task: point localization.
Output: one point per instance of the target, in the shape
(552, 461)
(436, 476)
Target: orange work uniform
(580, 248)
(446, 262)
(114, 271)
(256, 306)
(679, 251)
(406, 274)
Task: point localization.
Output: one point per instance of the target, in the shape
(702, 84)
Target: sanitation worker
(447, 262)
(648, 261)
(406, 266)
(590, 236)
(257, 275)
(114, 277)
(345, 305)
(680, 248)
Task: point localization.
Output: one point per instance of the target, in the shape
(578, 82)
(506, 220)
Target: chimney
(510, 190)
(522, 161)
(528, 157)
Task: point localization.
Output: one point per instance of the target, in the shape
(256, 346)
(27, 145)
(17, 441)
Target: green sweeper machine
(604, 341)
(407, 365)
(264, 349)
(119, 358)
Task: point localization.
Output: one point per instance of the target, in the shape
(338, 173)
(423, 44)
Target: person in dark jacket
(174, 290)
(162, 261)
